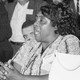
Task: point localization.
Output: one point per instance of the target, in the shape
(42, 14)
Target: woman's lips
(36, 32)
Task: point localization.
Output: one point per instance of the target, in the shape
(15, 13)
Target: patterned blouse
(33, 63)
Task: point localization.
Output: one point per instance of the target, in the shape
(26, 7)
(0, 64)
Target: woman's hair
(49, 1)
(67, 2)
(62, 17)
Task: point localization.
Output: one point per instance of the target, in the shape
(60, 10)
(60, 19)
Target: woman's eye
(42, 21)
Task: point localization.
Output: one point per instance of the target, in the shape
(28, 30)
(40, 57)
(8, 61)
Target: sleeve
(70, 45)
(65, 68)
(21, 55)
(5, 29)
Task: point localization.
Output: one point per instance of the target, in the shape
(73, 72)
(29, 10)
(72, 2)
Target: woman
(54, 29)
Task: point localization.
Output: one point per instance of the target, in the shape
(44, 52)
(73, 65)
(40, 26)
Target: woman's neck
(49, 42)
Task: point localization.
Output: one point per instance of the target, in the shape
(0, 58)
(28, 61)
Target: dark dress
(6, 51)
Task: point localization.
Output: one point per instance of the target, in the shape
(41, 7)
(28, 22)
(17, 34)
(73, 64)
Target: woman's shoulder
(70, 44)
(70, 37)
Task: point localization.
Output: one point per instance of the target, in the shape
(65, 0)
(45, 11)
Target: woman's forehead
(40, 15)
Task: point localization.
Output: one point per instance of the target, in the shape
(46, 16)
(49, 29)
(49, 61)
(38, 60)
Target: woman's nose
(36, 24)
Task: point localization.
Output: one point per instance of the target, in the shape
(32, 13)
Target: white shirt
(18, 18)
(65, 67)
(75, 2)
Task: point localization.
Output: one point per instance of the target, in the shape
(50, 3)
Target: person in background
(77, 7)
(57, 1)
(54, 30)
(69, 3)
(53, 1)
(9, 5)
(25, 10)
(6, 51)
(27, 31)
(9, 1)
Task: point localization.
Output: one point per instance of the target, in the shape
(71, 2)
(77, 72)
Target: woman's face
(42, 28)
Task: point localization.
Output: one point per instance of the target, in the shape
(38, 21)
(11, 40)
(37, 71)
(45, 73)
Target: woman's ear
(56, 29)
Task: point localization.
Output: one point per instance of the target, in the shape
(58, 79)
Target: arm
(5, 29)
(17, 66)
(30, 77)
(16, 75)
(13, 74)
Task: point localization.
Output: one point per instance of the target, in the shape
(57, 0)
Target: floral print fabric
(33, 63)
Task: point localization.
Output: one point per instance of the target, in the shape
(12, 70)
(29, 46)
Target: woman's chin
(38, 40)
